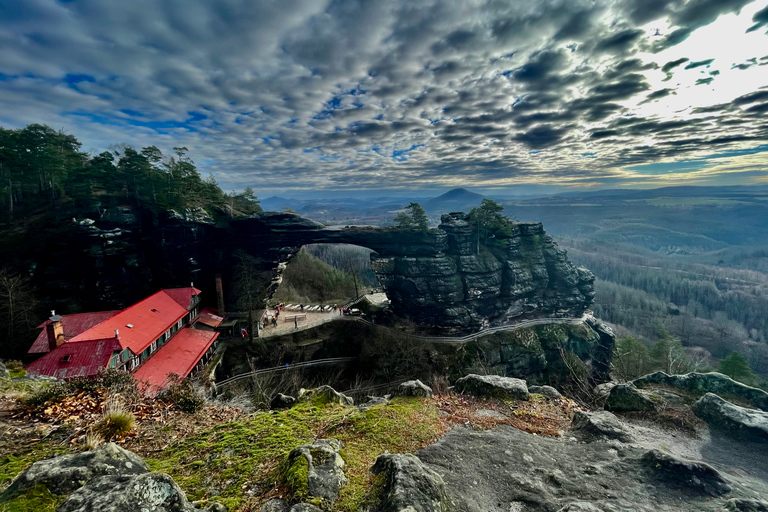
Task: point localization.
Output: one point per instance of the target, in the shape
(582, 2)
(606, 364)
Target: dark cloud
(657, 95)
(620, 41)
(669, 66)
(704, 81)
(699, 63)
(760, 18)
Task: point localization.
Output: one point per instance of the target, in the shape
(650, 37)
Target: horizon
(347, 97)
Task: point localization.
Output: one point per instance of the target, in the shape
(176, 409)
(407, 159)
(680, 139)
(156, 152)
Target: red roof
(141, 324)
(178, 356)
(75, 359)
(72, 325)
(210, 318)
(182, 295)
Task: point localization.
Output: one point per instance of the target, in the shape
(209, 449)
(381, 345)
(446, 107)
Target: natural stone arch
(435, 278)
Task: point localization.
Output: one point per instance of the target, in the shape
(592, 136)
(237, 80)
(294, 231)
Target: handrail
(286, 367)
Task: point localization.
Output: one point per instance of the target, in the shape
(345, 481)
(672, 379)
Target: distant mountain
(276, 203)
(458, 199)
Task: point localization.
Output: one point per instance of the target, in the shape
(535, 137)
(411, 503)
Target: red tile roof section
(85, 359)
(179, 356)
(150, 318)
(182, 295)
(72, 325)
(210, 318)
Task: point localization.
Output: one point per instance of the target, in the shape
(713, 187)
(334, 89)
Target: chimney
(219, 295)
(117, 334)
(55, 331)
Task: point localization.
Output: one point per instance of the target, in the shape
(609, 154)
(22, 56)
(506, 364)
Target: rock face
(690, 475)
(4, 371)
(493, 385)
(62, 475)
(436, 278)
(281, 401)
(740, 505)
(409, 486)
(413, 388)
(734, 420)
(707, 383)
(547, 391)
(324, 468)
(626, 397)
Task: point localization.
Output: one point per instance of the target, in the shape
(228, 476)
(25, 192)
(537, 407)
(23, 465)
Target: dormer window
(66, 358)
(130, 326)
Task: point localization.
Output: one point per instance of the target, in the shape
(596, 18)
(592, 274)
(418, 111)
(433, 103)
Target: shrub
(47, 393)
(183, 395)
(116, 422)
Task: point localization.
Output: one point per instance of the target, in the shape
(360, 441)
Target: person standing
(295, 322)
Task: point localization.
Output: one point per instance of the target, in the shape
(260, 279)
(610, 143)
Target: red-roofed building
(127, 339)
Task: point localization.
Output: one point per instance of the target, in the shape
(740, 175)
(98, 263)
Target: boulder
(327, 395)
(685, 475)
(734, 420)
(275, 505)
(413, 388)
(626, 397)
(373, 400)
(281, 401)
(409, 486)
(707, 383)
(325, 468)
(493, 385)
(305, 507)
(741, 505)
(64, 474)
(156, 492)
(4, 371)
(547, 391)
(599, 425)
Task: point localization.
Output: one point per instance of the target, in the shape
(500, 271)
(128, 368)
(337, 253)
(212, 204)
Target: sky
(296, 97)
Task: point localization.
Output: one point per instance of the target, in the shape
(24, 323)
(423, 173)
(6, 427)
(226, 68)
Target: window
(178, 325)
(66, 358)
(153, 346)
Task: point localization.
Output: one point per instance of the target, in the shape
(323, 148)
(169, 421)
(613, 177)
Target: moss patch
(243, 460)
(39, 499)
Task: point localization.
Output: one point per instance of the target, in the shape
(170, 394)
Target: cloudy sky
(292, 96)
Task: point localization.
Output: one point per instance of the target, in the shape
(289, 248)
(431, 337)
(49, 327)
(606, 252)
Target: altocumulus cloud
(358, 94)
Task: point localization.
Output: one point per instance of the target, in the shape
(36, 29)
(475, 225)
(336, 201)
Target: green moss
(38, 498)
(15, 374)
(18, 459)
(236, 461)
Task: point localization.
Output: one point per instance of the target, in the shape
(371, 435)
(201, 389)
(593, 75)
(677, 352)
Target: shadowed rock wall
(437, 278)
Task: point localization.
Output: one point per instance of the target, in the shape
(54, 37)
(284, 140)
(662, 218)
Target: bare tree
(17, 305)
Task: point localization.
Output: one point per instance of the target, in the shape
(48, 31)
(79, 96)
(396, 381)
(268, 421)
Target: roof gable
(75, 359)
(72, 325)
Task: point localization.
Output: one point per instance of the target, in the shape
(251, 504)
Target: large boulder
(66, 473)
(413, 388)
(409, 486)
(626, 397)
(4, 371)
(700, 383)
(687, 475)
(599, 425)
(321, 465)
(493, 386)
(326, 395)
(155, 492)
(734, 420)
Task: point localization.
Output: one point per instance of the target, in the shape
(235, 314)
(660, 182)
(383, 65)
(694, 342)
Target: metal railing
(286, 367)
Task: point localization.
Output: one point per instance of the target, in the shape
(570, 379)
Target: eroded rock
(707, 383)
(66, 473)
(410, 486)
(547, 391)
(275, 505)
(742, 505)
(156, 492)
(685, 475)
(4, 371)
(626, 397)
(324, 468)
(599, 425)
(413, 388)
(493, 386)
(733, 420)
(580, 506)
(326, 394)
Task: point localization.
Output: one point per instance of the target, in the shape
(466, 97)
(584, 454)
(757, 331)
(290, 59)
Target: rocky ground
(670, 444)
